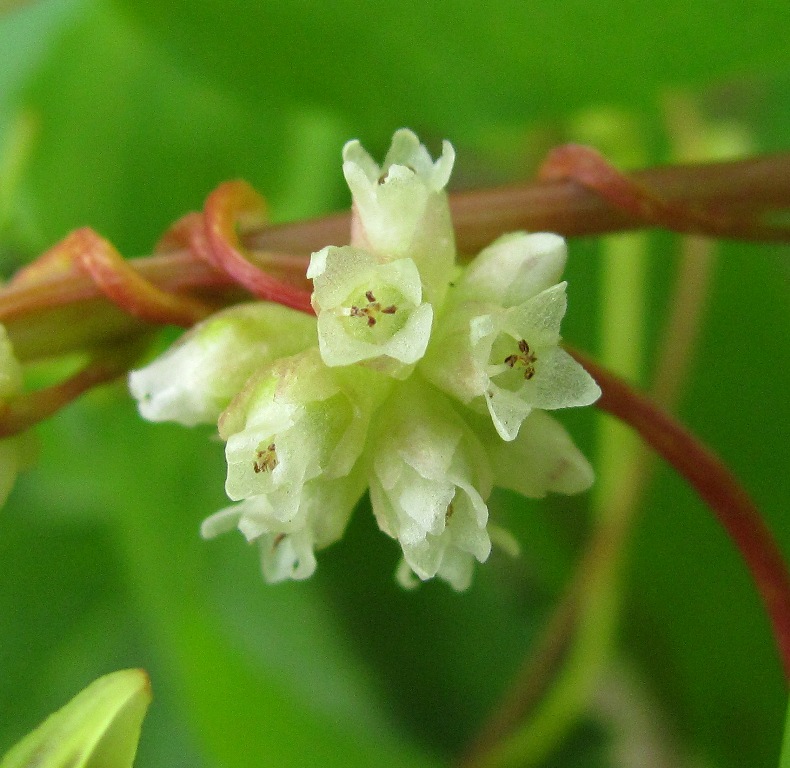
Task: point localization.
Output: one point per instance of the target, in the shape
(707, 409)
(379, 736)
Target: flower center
(525, 359)
(384, 176)
(372, 309)
(266, 459)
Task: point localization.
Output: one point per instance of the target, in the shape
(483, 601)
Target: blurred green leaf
(98, 728)
(419, 64)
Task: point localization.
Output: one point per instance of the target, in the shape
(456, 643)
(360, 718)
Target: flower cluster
(426, 383)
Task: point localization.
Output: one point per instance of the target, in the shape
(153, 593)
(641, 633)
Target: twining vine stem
(715, 484)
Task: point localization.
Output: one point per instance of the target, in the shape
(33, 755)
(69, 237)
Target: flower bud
(194, 380)
(401, 209)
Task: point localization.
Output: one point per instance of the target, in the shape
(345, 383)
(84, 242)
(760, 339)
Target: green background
(137, 111)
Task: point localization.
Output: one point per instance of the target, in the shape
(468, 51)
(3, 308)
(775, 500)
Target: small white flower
(499, 343)
(400, 207)
(429, 483)
(294, 421)
(287, 549)
(194, 380)
(368, 310)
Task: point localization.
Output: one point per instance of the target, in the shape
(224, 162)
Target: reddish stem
(716, 485)
(226, 206)
(84, 251)
(24, 411)
(586, 166)
(739, 189)
(124, 286)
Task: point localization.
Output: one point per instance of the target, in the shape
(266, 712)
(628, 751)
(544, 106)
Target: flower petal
(368, 310)
(562, 383)
(429, 484)
(514, 268)
(542, 458)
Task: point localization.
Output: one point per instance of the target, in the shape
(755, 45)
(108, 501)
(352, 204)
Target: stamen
(525, 358)
(372, 309)
(266, 460)
(449, 513)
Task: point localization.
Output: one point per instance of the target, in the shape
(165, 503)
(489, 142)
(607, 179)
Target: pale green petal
(286, 551)
(406, 346)
(290, 557)
(508, 410)
(457, 569)
(541, 459)
(98, 728)
(514, 268)
(561, 383)
(451, 553)
(344, 274)
(294, 421)
(193, 381)
(451, 361)
(538, 320)
(504, 540)
(221, 522)
(406, 150)
(405, 576)
(287, 548)
(356, 155)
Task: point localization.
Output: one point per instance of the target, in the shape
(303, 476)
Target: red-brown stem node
(188, 232)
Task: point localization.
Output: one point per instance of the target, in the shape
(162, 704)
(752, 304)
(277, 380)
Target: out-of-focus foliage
(133, 113)
(98, 728)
